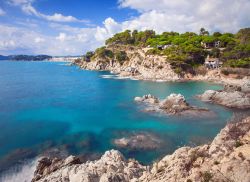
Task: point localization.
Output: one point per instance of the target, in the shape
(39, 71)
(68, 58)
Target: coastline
(222, 159)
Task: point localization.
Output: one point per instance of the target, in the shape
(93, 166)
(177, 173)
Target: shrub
(238, 144)
(216, 163)
(225, 72)
(239, 63)
(121, 56)
(206, 176)
(103, 52)
(178, 70)
(153, 51)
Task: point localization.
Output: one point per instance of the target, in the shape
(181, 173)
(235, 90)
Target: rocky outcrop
(47, 166)
(173, 104)
(227, 158)
(229, 97)
(139, 141)
(111, 167)
(147, 99)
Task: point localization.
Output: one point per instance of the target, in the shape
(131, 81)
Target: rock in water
(230, 97)
(173, 104)
(147, 99)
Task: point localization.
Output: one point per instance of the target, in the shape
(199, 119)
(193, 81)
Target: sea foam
(20, 173)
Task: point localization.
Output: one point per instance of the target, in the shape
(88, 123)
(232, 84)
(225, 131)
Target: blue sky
(72, 27)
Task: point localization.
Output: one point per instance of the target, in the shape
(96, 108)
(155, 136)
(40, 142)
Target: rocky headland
(140, 65)
(174, 104)
(227, 158)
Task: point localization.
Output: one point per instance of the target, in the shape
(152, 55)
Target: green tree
(203, 31)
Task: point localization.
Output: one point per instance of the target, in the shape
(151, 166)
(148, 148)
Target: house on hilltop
(210, 45)
(212, 63)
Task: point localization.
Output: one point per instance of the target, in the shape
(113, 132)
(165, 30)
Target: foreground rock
(139, 141)
(231, 97)
(174, 104)
(227, 158)
(111, 167)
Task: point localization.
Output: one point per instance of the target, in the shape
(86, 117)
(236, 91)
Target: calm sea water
(47, 105)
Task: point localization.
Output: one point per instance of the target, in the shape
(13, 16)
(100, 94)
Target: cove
(46, 105)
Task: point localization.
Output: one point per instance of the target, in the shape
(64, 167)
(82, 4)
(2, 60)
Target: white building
(212, 63)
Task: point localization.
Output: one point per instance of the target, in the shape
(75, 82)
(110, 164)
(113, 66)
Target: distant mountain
(4, 57)
(30, 58)
(25, 57)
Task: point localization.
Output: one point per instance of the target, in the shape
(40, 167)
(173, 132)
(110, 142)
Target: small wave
(121, 77)
(160, 80)
(20, 173)
(134, 79)
(108, 76)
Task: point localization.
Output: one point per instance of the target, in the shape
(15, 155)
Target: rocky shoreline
(227, 158)
(141, 66)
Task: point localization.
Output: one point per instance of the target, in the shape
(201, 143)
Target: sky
(72, 27)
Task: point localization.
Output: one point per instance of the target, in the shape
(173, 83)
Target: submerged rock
(229, 97)
(173, 104)
(139, 141)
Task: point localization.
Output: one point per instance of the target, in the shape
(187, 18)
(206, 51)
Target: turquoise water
(47, 105)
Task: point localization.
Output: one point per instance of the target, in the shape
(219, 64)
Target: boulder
(174, 103)
(228, 98)
(232, 88)
(112, 166)
(147, 99)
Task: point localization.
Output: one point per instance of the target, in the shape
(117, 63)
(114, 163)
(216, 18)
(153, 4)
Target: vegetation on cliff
(184, 51)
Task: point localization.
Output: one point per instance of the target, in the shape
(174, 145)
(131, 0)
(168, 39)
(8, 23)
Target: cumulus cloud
(2, 12)
(189, 15)
(17, 40)
(110, 27)
(39, 40)
(165, 15)
(26, 6)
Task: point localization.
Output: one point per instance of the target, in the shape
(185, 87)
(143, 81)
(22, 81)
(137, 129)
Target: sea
(51, 108)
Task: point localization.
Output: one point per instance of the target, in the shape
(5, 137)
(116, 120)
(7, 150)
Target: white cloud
(2, 12)
(62, 37)
(110, 27)
(165, 15)
(20, 2)
(39, 40)
(17, 40)
(56, 17)
(26, 6)
(189, 15)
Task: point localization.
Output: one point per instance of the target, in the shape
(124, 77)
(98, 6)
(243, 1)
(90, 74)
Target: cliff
(227, 158)
(136, 65)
